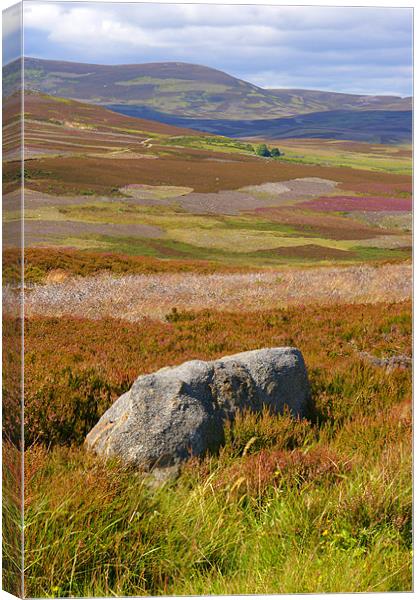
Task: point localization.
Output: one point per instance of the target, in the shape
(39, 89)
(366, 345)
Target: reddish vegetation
(312, 251)
(73, 174)
(333, 227)
(186, 167)
(12, 109)
(386, 188)
(12, 377)
(39, 106)
(91, 362)
(274, 467)
(40, 262)
(181, 167)
(351, 203)
(350, 146)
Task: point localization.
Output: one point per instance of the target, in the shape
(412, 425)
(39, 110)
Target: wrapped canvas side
(12, 446)
(206, 300)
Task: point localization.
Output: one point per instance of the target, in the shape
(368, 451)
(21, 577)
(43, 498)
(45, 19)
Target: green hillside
(185, 90)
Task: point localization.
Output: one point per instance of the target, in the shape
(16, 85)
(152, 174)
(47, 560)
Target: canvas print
(207, 233)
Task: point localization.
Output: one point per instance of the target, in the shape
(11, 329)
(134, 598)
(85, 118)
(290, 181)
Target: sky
(363, 50)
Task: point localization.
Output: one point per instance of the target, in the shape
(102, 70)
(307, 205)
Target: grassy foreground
(317, 505)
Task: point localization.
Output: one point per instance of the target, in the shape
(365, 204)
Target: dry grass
(134, 297)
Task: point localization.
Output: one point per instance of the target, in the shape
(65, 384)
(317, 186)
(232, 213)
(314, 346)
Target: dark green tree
(262, 150)
(276, 152)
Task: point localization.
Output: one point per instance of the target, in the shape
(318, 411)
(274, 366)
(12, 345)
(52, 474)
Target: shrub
(262, 150)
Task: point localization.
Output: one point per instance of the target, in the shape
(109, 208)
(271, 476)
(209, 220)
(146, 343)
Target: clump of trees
(263, 150)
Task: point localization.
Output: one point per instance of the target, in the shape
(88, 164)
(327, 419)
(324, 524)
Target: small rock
(157, 478)
(392, 362)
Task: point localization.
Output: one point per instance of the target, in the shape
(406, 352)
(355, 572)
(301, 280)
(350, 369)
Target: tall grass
(315, 505)
(315, 521)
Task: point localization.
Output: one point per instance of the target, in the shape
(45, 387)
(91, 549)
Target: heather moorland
(149, 244)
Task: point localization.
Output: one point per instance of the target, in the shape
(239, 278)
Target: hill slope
(63, 111)
(185, 90)
(324, 101)
(377, 126)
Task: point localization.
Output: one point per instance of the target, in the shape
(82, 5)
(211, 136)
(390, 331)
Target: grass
(11, 455)
(365, 253)
(173, 85)
(332, 531)
(236, 257)
(356, 160)
(318, 505)
(11, 517)
(165, 249)
(216, 143)
(246, 240)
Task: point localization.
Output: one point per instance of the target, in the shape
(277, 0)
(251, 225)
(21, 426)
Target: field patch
(123, 154)
(140, 191)
(385, 219)
(364, 203)
(387, 188)
(44, 232)
(313, 252)
(357, 155)
(220, 203)
(335, 227)
(388, 241)
(256, 196)
(35, 199)
(246, 240)
(301, 186)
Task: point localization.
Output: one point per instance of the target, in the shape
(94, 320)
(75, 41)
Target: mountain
(186, 90)
(376, 126)
(321, 101)
(205, 99)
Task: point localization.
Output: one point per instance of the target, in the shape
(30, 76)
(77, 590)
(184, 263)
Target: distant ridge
(376, 126)
(186, 90)
(321, 100)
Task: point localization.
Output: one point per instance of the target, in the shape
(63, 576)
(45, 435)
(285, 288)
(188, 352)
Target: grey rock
(178, 412)
(392, 362)
(157, 478)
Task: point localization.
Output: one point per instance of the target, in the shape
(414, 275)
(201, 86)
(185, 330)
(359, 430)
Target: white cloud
(248, 41)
